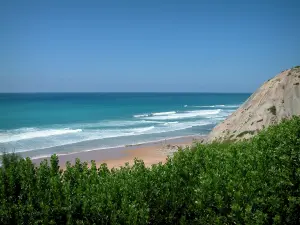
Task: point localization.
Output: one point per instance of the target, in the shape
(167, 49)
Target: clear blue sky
(157, 45)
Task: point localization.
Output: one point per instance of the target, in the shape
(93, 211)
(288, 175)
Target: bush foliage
(249, 182)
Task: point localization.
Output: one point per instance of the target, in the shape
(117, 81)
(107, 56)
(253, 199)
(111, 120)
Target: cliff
(276, 99)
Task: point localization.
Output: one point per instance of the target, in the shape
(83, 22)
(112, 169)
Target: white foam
(154, 114)
(187, 114)
(203, 106)
(216, 106)
(173, 127)
(141, 115)
(26, 145)
(30, 133)
(170, 123)
(228, 106)
(141, 130)
(183, 126)
(113, 123)
(42, 156)
(163, 113)
(35, 140)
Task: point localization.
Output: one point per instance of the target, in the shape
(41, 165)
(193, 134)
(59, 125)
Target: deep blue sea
(38, 125)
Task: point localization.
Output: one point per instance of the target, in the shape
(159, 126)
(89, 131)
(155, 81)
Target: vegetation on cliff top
(249, 182)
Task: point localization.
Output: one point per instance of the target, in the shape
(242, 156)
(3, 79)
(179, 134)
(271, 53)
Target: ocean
(40, 124)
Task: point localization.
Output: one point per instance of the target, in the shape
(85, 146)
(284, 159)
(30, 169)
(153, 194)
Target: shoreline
(150, 152)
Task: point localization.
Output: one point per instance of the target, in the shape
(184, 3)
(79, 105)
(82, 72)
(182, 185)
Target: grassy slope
(250, 182)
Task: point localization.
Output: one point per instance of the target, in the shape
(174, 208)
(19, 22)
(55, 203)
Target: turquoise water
(37, 125)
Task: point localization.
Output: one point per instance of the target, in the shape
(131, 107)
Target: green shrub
(273, 110)
(249, 182)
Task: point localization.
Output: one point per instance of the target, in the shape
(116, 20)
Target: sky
(146, 46)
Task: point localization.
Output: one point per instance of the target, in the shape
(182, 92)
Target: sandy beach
(150, 153)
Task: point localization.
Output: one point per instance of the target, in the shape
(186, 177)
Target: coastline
(150, 152)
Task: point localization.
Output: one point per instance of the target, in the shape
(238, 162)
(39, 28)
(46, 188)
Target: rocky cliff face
(276, 99)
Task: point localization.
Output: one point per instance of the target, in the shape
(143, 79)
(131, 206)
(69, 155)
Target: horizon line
(125, 92)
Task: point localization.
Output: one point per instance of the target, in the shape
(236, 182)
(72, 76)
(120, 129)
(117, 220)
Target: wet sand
(150, 153)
